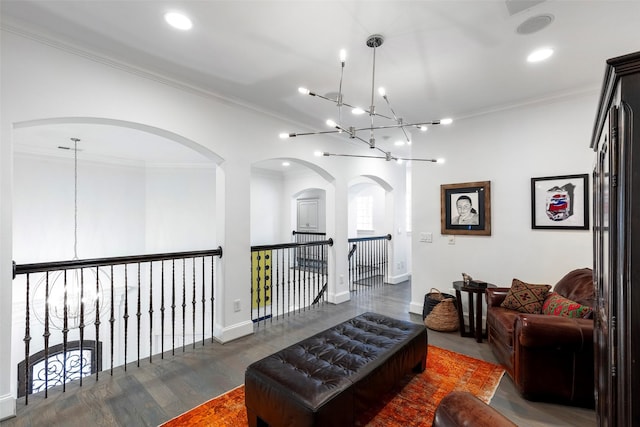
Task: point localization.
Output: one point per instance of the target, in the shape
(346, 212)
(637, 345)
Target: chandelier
(73, 297)
(393, 121)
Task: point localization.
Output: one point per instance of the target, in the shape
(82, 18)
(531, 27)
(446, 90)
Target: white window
(364, 212)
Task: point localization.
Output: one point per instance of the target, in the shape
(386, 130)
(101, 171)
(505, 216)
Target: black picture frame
(560, 202)
(478, 195)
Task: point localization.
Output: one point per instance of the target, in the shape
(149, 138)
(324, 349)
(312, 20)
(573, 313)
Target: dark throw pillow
(525, 297)
(557, 305)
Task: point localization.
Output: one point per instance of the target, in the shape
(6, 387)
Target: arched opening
(124, 189)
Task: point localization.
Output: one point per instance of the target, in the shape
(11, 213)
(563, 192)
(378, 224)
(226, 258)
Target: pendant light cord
(75, 197)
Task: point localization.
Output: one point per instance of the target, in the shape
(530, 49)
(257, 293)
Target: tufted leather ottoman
(329, 378)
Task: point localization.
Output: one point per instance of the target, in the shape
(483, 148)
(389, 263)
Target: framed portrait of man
(465, 208)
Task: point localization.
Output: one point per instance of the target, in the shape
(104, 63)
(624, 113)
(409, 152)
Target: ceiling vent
(517, 6)
(534, 24)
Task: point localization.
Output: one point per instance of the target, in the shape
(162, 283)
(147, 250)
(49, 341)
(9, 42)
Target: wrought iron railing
(287, 278)
(171, 296)
(368, 262)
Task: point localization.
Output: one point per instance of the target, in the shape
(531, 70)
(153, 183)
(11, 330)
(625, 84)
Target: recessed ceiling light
(178, 20)
(540, 55)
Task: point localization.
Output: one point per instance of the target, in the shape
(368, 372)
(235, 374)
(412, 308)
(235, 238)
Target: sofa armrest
(461, 408)
(495, 296)
(542, 330)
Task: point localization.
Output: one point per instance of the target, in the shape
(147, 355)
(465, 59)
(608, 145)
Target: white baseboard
(233, 332)
(339, 298)
(416, 307)
(7, 407)
(394, 280)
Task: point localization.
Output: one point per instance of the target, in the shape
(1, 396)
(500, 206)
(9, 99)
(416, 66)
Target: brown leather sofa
(463, 409)
(549, 358)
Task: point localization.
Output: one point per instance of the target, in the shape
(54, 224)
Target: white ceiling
(447, 58)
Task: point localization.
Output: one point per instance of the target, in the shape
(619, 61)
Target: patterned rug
(412, 402)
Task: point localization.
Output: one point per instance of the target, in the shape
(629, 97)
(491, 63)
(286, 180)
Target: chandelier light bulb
(440, 161)
(332, 124)
(446, 121)
(382, 92)
(284, 135)
(423, 128)
(304, 90)
(178, 20)
(343, 55)
(357, 111)
(317, 153)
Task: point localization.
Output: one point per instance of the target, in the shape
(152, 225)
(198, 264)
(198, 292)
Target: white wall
(267, 207)
(507, 148)
(180, 209)
(111, 209)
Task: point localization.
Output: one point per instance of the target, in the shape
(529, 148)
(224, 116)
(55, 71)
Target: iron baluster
(193, 303)
(212, 296)
(184, 303)
(162, 309)
(46, 336)
(112, 319)
(27, 339)
(173, 307)
(126, 314)
(203, 300)
(81, 321)
(150, 311)
(97, 321)
(139, 312)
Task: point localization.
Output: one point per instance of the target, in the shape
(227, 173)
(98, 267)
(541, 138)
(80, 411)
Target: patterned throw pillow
(525, 297)
(557, 305)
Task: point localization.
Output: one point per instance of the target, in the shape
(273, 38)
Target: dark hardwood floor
(159, 391)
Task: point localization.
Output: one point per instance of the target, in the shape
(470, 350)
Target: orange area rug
(412, 402)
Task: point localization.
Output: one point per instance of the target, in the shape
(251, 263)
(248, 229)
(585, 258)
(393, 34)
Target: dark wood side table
(475, 312)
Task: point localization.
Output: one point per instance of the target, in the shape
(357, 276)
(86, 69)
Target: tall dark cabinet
(616, 242)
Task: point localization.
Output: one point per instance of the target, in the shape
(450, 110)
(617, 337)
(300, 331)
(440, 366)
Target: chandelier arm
(379, 157)
(321, 132)
(417, 160)
(398, 126)
(395, 117)
(353, 155)
(339, 100)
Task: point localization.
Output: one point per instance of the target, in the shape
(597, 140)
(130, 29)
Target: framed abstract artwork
(560, 202)
(465, 208)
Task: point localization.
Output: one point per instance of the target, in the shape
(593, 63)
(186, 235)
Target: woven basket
(443, 317)
(433, 298)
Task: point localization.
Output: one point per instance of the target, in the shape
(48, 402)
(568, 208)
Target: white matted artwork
(560, 202)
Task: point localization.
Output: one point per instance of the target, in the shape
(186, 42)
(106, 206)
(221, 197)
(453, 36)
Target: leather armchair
(461, 408)
(549, 358)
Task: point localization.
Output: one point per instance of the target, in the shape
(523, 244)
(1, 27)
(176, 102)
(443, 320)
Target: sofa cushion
(525, 297)
(577, 285)
(557, 305)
